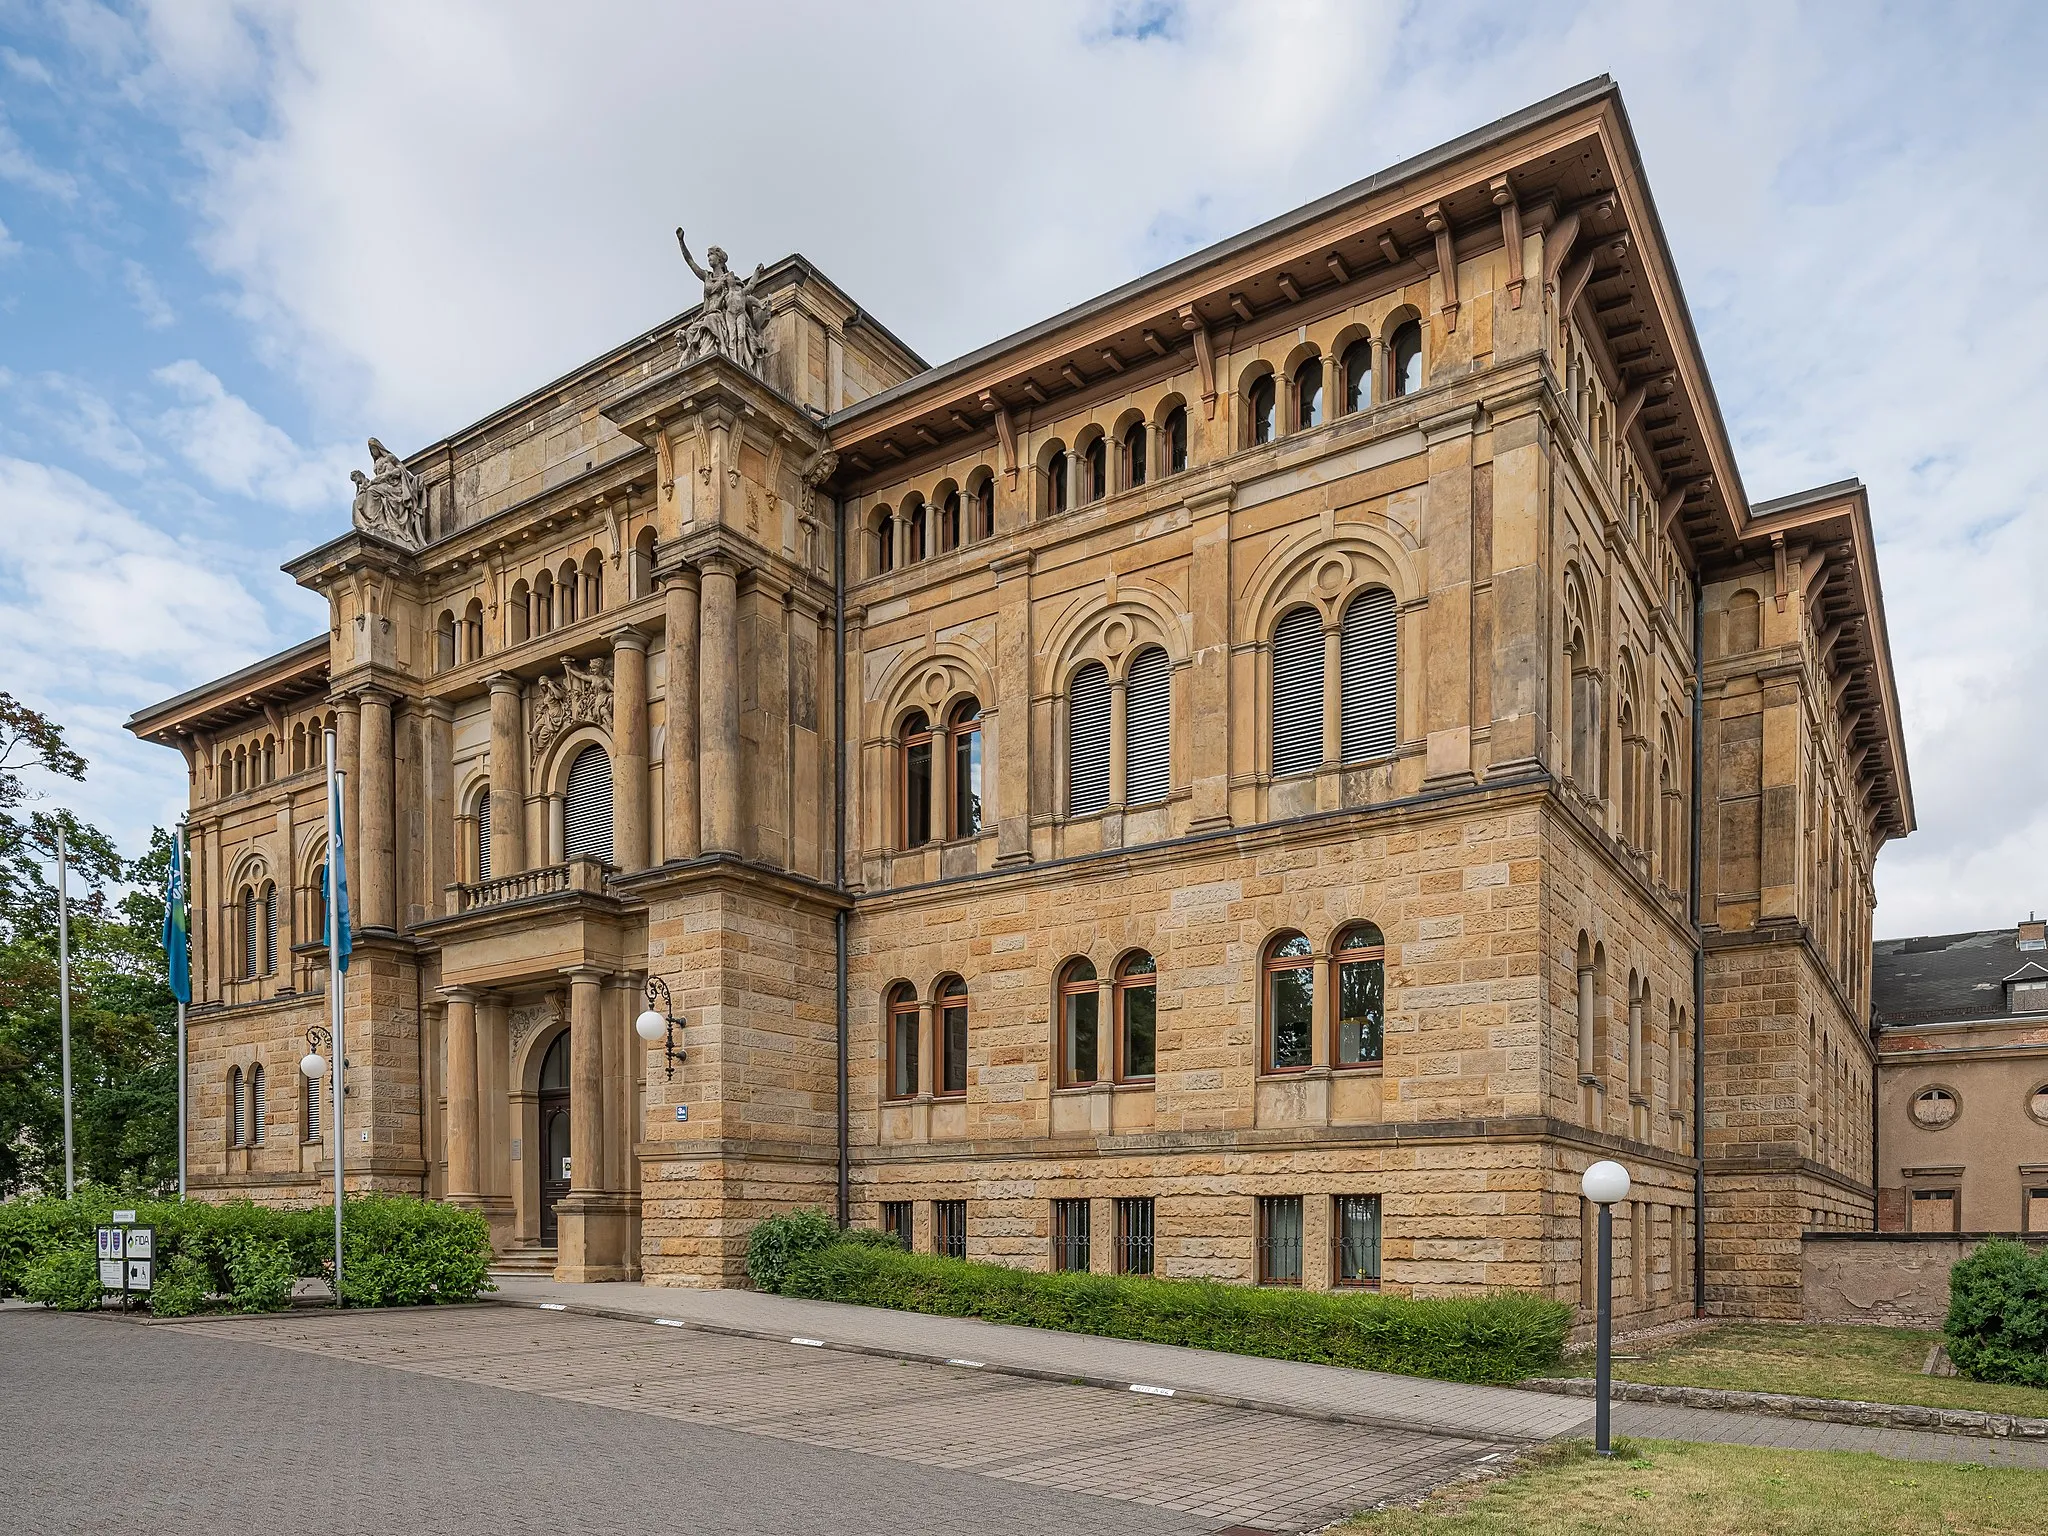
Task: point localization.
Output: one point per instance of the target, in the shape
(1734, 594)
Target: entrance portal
(554, 1133)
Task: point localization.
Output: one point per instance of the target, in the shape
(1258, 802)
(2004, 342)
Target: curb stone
(1826, 1410)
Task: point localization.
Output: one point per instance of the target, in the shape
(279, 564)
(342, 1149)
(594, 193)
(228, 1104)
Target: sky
(239, 237)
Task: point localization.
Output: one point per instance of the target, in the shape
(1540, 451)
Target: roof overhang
(289, 675)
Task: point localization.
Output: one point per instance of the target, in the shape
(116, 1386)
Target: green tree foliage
(1997, 1326)
(123, 1018)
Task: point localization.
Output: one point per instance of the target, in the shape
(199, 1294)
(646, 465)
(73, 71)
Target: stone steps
(525, 1259)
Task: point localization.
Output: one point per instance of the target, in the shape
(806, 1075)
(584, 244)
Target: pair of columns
(701, 757)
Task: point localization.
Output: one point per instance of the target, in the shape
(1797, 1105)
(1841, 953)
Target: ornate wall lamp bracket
(659, 1023)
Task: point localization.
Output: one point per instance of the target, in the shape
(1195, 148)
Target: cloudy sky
(237, 237)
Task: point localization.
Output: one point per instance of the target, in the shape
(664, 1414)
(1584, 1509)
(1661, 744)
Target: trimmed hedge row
(242, 1257)
(1497, 1339)
(1997, 1328)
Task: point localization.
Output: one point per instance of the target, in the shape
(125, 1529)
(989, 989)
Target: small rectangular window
(949, 1228)
(1279, 1240)
(1356, 1227)
(898, 1220)
(1134, 1236)
(2037, 1209)
(1070, 1235)
(1936, 1210)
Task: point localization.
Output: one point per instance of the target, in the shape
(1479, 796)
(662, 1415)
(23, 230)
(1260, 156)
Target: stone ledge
(1828, 1410)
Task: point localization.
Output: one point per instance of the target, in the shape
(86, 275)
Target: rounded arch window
(914, 538)
(916, 738)
(949, 521)
(1357, 367)
(554, 1067)
(902, 1026)
(1361, 996)
(1261, 399)
(587, 807)
(1297, 692)
(1088, 709)
(1056, 481)
(1079, 999)
(1095, 457)
(1175, 432)
(1406, 358)
(963, 732)
(1134, 454)
(1308, 395)
(1290, 1003)
(483, 833)
(1936, 1109)
(1137, 1017)
(952, 1064)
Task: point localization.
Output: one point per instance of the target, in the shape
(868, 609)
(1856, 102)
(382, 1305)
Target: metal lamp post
(1603, 1184)
(657, 1025)
(313, 1066)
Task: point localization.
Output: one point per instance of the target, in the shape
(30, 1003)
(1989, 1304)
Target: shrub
(66, 1280)
(1500, 1338)
(33, 1229)
(260, 1272)
(779, 1242)
(400, 1252)
(182, 1288)
(1997, 1327)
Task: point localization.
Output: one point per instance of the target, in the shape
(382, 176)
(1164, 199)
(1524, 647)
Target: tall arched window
(1406, 359)
(982, 508)
(252, 935)
(1148, 726)
(543, 603)
(1261, 400)
(238, 1110)
(444, 641)
(951, 1077)
(917, 779)
(269, 905)
(1175, 432)
(1137, 1017)
(269, 759)
(593, 584)
(949, 521)
(483, 833)
(963, 725)
(902, 1025)
(1361, 996)
(1134, 453)
(1095, 460)
(914, 550)
(566, 586)
(587, 807)
(1056, 481)
(885, 543)
(1358, 376)
(299, 747)
(640, 565)
(259, 1106)
(473, 630)
(1369, 701)
(1079, 1033)
(1308, 395)
(1290, 1003)
(1298, 693)
(519, 615)
(310, 1121)
(318, 906)
(1088, 741)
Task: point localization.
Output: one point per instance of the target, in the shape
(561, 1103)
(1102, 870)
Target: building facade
(1266, 774)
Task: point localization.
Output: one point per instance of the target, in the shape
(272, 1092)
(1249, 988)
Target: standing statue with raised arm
(733, 319)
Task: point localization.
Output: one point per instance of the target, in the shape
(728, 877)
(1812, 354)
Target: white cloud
(231, 446)
(25, 170)
(69, 411)
(155, 309)
(9, 246)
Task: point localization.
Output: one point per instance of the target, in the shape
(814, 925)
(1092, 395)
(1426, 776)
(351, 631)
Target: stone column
(718, 705)
(1117, 760)
(683, 832)
(462, 1097)
(442, 815)
(375, 811)
(1202, 730)
(586, 1078)
(508, 776)
(629, 750)
(347, 720)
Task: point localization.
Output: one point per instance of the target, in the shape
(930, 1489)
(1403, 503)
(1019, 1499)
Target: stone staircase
(525, 1259)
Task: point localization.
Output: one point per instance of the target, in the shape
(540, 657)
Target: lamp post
(658, 1024)
(1603, 1184)
(313, 1066)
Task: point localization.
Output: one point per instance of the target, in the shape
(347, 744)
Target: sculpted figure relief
(390, 501)
(733, 320)
(581, 696)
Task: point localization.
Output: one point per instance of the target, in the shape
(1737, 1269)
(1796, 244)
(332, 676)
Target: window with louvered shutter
(1368, 676)
(312, 1109)
(1088, 741)
(252, 936)
(1298, 693)
(259, 1106)
(587, 809)
(1147, 728)
(269, 930)
(238, 1114)
(483, 835)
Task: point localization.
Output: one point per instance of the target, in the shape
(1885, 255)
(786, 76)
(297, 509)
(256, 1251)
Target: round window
(1936, 1109)
(2037, 1103)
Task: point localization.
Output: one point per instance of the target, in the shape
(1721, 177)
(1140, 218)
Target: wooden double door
(554, 1133)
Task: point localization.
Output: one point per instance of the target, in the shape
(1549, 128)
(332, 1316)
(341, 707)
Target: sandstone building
(1265, 774)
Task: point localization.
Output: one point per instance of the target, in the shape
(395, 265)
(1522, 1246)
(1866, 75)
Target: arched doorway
(554, 1133)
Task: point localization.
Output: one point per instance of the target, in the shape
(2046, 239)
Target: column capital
(505, 682)
(594, 974)
(436, 707)
(459, 994)
(716, 562)
(628, 638)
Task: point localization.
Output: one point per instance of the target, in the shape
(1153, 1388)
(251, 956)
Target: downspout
(845, 1203)
(1699, 962)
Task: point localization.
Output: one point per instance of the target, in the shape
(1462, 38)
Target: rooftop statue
(733, 319)
(390, 501)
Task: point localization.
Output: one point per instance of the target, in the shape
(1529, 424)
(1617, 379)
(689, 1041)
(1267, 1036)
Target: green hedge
(1997, 1327)
(1501, 1338)
(241, 1257)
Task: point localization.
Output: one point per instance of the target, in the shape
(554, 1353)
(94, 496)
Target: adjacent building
(1265, 774)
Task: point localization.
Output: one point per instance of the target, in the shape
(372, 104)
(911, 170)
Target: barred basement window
(1088, 741)
(1355, 1229)
(238, 1109)
(899, 1223)
(949, 1228)
(1070, 1235)
(1367, 692)
(1279, 1241)
(1148, 728)
(1134, 1236)
(587, 808)
(259, 1106)
(1297, 693)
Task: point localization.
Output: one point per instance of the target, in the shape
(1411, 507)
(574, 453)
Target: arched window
(519, 614)
(949, 521)
(259, 1106)
(1298, 693)
(914, 550)
(1290, 1003)
(444, 641)
(565, 595)
(1134, 454)
(483, 833)
(885, 544)
(270, 929)
(917, 779)
(640, 565)
(299, 747)
(238, 1110)
(543, 603)
(1260, 400)
(1148, 726)
(317, 907)
(964, 727)
(1358, 376)
(1175, 432)
(587, 807)
(1406, 360)
(1361, 996)
(1088, 741)
(310, 1120)
(982, 508)
(1308, 395)
(1137, 1017)
(252, 935)
(473, 630)
(1096, 464)
(269, 759)
(1368, 676)
(1056, 481)
(1079, 997)
(951, 1078)
(593, 584)
(902, 1025)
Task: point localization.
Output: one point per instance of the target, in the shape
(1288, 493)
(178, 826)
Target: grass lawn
(1668, 1488)
(1877, 1365)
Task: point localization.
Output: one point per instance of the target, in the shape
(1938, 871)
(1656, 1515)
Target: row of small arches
(248, 1117)
(551, 600)
(258, 761)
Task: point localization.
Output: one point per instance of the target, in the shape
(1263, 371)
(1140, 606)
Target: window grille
(897, 1221)
(483, 835)
(259, 1106)
(1356, 1228)
(1279, 1241)
(587, 808)
(1088, 741)
(238, 1110)
(1148, 728)
(1298, 693)
(1134, 1236)
(1070, 1235)
(949, 1228)
(1368, 665)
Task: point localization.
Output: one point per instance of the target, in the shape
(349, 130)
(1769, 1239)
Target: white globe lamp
(313, 1065)
(651, 1027)
(1605, 1183)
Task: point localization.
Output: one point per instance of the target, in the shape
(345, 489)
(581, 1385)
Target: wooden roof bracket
(1205, 356)
(1434, 221)
(1006, 433)
(1511, 236)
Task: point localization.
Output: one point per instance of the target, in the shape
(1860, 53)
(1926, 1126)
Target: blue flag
(178, 924)
(337, 880)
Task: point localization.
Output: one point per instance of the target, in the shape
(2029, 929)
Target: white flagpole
(335, 854)
(64, 1004)
(184, 855)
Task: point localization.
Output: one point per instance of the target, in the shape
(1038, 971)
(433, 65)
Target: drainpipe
(845, 1204)
(1699, 962)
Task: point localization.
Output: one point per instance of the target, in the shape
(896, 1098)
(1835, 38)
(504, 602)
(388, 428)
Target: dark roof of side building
(1949, 978)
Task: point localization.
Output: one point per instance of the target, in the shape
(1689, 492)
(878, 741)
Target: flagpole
(336, 880)
(181, 853)
(64, 1003)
